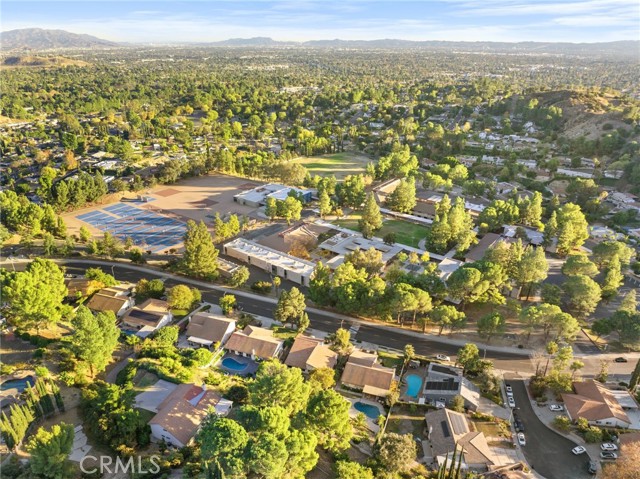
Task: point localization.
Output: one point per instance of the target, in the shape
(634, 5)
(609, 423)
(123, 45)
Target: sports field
(406, 232)
(339, 164)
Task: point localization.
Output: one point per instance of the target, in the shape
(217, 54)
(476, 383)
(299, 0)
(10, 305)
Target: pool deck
(353, 412)
(422, 373)
(252, 366)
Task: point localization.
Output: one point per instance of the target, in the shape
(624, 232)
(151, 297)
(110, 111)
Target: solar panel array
(148, 230)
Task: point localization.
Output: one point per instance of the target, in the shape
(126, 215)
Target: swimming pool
(369, 410)
(19, 384)
(234, 365)
(414, 383)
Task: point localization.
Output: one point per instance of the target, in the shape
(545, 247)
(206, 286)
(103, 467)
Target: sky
(165, 21)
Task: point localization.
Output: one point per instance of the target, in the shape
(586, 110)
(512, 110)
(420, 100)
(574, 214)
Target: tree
(463, 283)
(579, 264)
(324, 204)
(227, 303)
(239, 277)
(200, 257)
(371, 219)
(49, 244)
(103, 278)
(457, 403)
(403, 198)
(409, 353)
(301, 446)
(584, 294)
(469, 357)
(224, 441)
(271, 208)
(550, 230)
(149, 289)
(613, 279)
(180, 297)
(277, 281)
(490, 325)
(629, 302)
(572, 228)
(635, 377)
(352, 470)
(341, 341)
(95, 338)
(605, 251)
(290, 307)
(50, 451)
(290, 209)
(532, 213)
(575, 366)
(351, 191)
(277, 385)
(370, 260)
(35, 295)
(328, 416)
(532, 268)
(321, 379)
(448, 317)
(266, 456)
(166, 337)
(396, 452)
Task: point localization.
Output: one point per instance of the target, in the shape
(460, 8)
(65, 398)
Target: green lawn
(339, 164)
(406, 232)
(284, 333)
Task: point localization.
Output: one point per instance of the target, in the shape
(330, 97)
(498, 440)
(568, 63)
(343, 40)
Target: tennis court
(148, 230)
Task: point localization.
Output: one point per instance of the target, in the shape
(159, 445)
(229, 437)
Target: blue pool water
(234, 365)
(372, 412)
(414, 383)
(20, 384)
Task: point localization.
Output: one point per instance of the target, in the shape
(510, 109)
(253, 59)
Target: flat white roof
(272, 256)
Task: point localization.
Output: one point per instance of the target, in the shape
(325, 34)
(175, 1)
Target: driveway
(547, 452)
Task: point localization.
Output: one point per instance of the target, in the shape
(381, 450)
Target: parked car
(578, 450)
(620, 360)
(511, 401)
(608, 455)
(508, 388)
(519, 426)
(592, 467)
(521, 439)
(608, 446)
(556, 407)
(442, 357)
(509, 394)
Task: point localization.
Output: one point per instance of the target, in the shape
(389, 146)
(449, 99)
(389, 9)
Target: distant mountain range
(40, 39)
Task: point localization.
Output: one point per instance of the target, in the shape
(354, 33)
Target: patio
(238, 365)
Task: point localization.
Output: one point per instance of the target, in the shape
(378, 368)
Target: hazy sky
(209, 20)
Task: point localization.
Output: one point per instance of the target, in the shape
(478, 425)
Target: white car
(511, 401)
(521, 440)
(578, 450)
(508, 388)
(556, 407)
(609, 455)
(609, 446)
(442, 357)
(509, 394)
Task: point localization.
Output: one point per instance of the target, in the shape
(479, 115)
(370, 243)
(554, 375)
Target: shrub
(263, 287)
(237, 393)
(562, 422)
(593, 434)
(582, 424)
(538, 386)
(126, 374)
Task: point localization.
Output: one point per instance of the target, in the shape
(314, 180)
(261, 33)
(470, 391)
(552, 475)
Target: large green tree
(277, 385)
(200, 257)
(403, 198)
(328, 415)
(371, 219)
(491, 325)
(50, 451)
(290, 307)
(95, 338)
(579, 264)
(572, 228)
(583, 294)
(396, 452)
(223, 442)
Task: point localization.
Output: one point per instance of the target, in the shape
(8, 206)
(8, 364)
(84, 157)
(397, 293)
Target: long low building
(273, 261)
(258, 196)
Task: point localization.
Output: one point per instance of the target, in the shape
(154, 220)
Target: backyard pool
(414, 383)
(369, 410)
(19, 384)
(234, 365)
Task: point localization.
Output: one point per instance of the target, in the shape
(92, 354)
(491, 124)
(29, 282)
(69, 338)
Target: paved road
(328, 322)
(547, 452)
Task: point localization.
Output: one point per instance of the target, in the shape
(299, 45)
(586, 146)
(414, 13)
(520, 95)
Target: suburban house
(272, 261)
(148, 317)
(363, 372)
(79, 287)
(181, 413)
(443, 383)
(255, 343)
(477, 252)
(207, 330)
(114, 299)
(599, 405)
(449, 428)
(309, 353)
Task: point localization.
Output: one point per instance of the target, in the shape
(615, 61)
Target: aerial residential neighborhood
(251, 258)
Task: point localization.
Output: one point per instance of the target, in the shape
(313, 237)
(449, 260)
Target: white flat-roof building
(258, 196)
(273, 261)
(345, 243)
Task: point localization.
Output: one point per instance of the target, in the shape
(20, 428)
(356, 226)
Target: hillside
(40, 39)
(37, 61)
